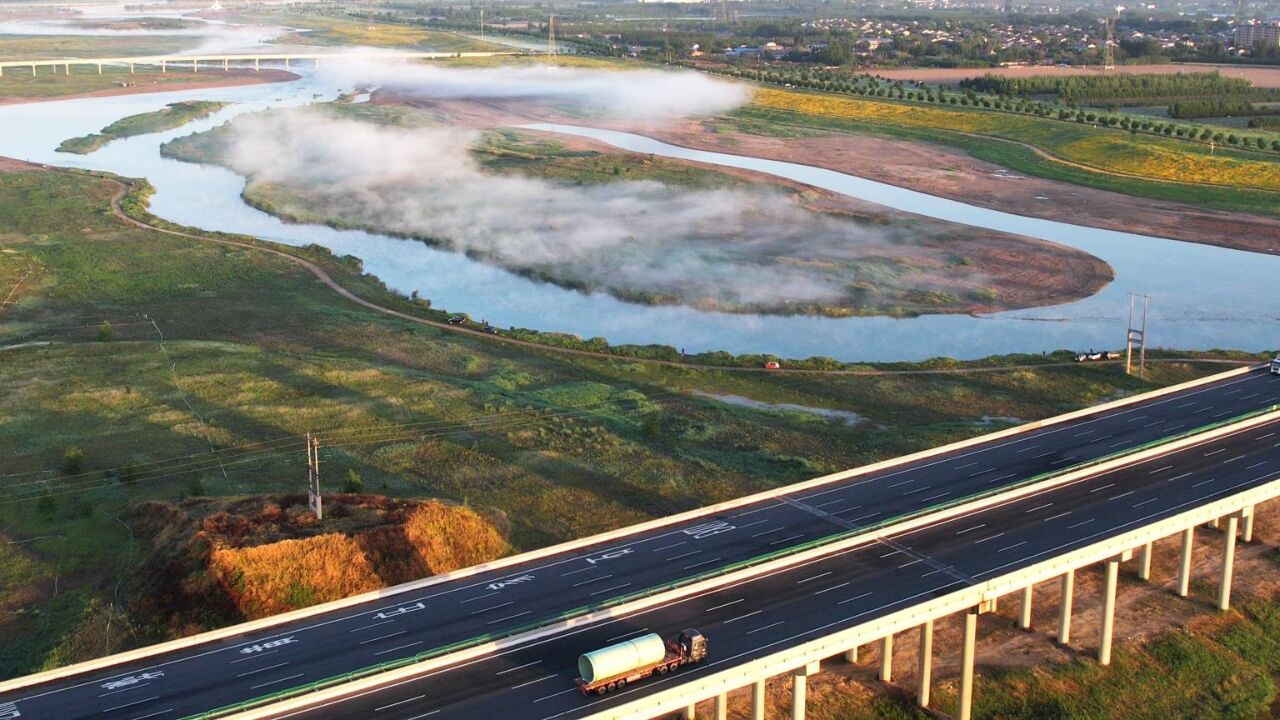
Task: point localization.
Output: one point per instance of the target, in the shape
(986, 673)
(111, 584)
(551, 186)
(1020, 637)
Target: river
(1202, 296)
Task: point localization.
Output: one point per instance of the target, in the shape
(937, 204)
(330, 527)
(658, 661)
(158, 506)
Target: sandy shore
(1260, 76)
(146, 84)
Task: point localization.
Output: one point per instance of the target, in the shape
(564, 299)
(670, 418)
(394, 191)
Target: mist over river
(1202, 296)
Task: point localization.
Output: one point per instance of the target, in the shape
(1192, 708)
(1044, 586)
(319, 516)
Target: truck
(620, 664)
(1275, 365)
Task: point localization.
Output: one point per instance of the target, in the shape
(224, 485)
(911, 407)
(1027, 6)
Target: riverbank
(16, 87)
(745, 243)
(954, 174)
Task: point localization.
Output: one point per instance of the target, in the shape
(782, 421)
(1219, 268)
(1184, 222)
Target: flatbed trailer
(620, 665)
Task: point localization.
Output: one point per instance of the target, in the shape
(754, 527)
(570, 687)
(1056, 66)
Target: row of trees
(869, 86)
(1085, 88)
(1215, 107)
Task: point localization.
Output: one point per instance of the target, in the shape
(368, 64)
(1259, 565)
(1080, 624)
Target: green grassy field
(1227, 179)
(19, 84)
(171, 116)
(50, 47)
(330, 30)
(256, 351)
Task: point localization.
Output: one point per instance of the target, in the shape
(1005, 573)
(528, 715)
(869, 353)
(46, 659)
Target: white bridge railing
(225, 61)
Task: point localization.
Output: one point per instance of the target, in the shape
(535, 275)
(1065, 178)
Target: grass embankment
(172, 116)
(244, 559)
(1161, 168)
(52, 47)
(256, 353)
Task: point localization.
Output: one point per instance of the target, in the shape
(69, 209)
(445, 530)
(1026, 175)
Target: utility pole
(1137, 336)
(481, 23)
(551, 37)
(313, 476)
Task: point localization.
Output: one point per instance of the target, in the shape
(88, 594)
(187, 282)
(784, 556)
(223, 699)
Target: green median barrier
(293, 692)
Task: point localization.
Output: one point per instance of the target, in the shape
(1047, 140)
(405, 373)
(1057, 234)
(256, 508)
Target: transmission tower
(1137, 335)
(313, 477)
(1109, 48)
(551, 37)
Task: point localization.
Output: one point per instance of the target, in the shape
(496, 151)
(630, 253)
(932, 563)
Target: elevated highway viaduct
(517, 594)
(791, 620)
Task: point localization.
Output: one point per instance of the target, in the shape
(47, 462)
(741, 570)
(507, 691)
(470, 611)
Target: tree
(105, 332)
(195, 486)
(72, 460)
(352, 483)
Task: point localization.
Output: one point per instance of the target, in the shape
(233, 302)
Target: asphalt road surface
(762, 616)
(231, 670)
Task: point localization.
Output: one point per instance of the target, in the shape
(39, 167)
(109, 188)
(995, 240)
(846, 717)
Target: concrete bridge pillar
(162, 67)
(886, 659)
(691, 712)
(226, 64)
(66, 69)
(1228, 562)
(851, 655)
(1108, 611)
(757, 700)
(99, 68)
(256, 64)
(33, 70)
(195, 66)
(966, 664)
(1246, 535)
(1144, 562)
(722, 706)
(1024, 617)
(924, 674)
(1064, 608)
(286, 63)
(1184, 569)
(317, 63)
(799, 684)
(130, 68)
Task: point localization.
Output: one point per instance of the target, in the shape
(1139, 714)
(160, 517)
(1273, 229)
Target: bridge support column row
(886, 659)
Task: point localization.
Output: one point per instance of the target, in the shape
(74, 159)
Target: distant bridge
(239, 60)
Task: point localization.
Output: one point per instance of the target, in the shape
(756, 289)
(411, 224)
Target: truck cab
(1275, 365)
(693, 645)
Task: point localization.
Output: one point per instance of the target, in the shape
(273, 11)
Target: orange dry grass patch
(288, 574)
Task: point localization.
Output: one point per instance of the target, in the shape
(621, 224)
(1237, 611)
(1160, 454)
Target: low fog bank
(632, 94)
(641, 240)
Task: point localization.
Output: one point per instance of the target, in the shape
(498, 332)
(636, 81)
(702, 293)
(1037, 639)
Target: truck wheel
(613, 686)
(672, 667)
(602, 690)
(622, 683)
(663, 670)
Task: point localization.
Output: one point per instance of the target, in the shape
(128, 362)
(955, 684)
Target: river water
(1202, 297)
